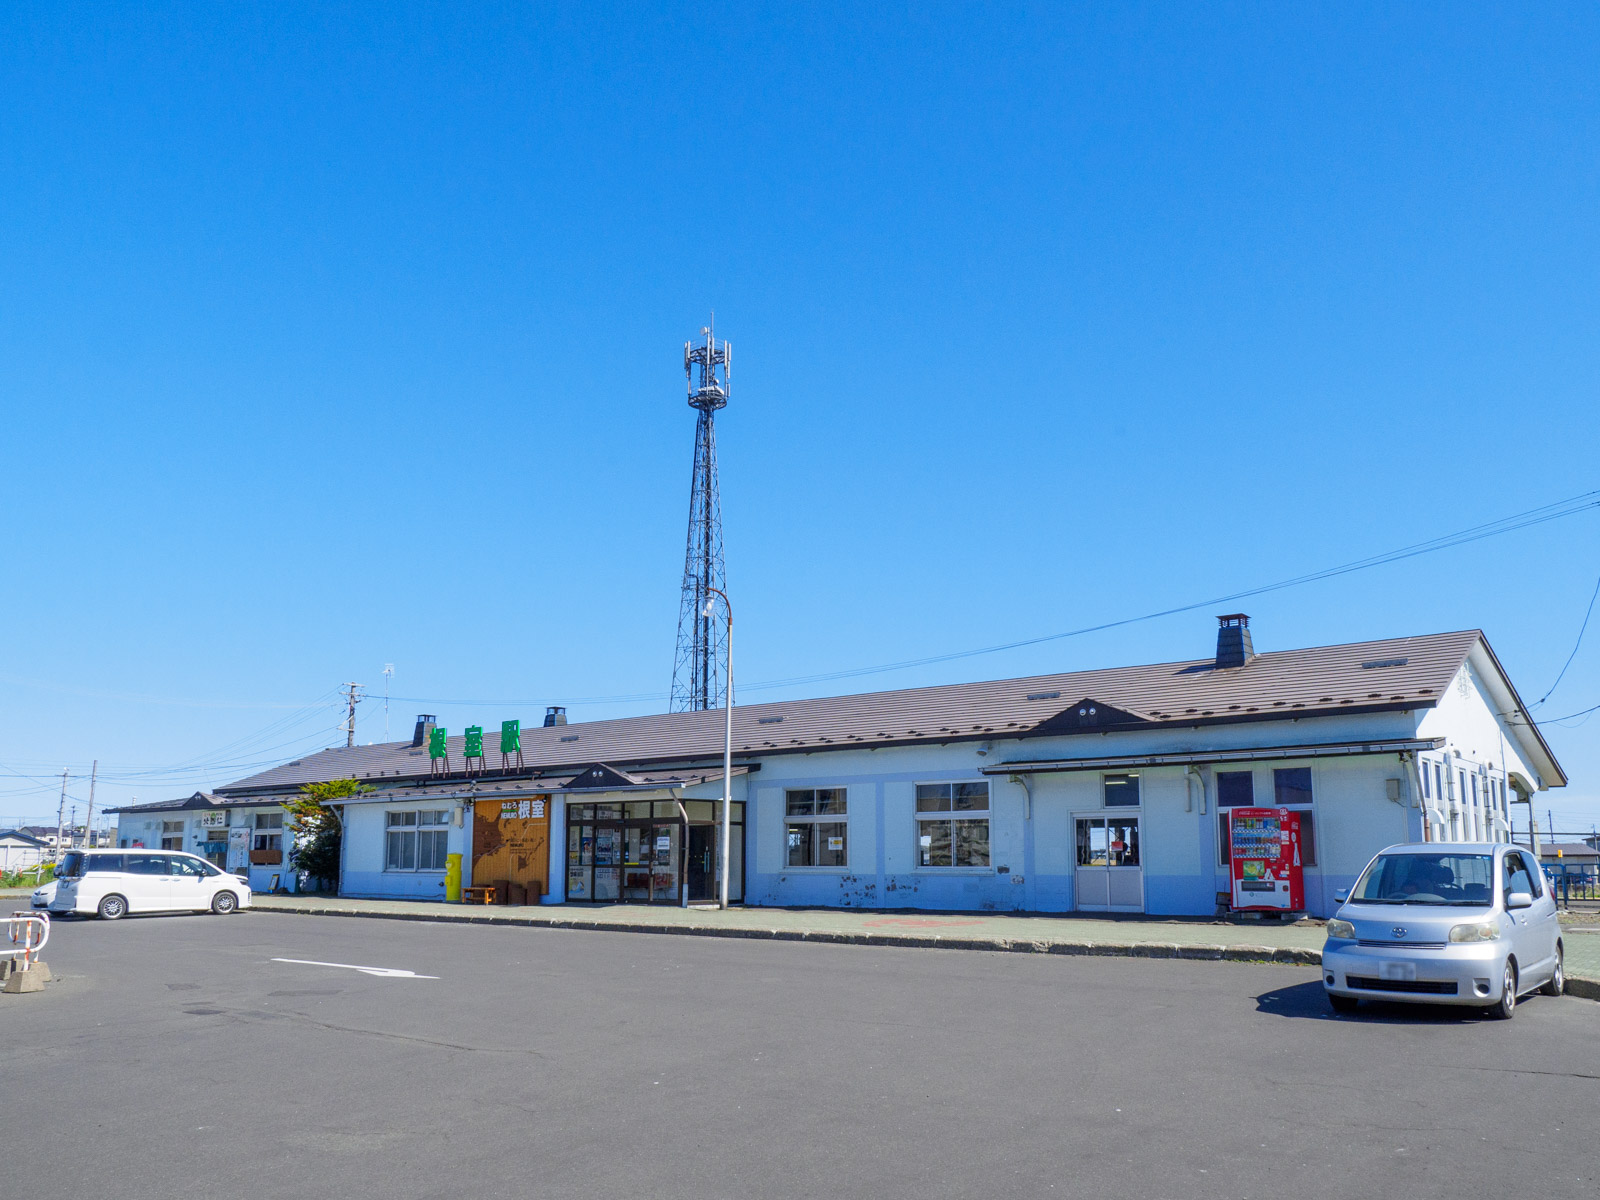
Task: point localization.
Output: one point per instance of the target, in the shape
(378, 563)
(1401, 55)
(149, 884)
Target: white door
(148, 880)
(1109, 876)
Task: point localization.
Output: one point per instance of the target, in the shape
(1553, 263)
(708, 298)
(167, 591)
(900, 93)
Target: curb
(1587, 989)
(1291, 956)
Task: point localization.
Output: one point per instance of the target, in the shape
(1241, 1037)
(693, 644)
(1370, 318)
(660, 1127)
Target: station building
(247, 835)
(1093, 791)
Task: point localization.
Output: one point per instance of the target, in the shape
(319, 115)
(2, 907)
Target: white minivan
(113, 883)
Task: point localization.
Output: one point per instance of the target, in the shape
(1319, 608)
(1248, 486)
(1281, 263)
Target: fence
(1572, 861)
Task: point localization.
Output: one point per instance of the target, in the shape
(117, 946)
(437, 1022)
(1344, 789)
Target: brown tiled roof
(1362, 676)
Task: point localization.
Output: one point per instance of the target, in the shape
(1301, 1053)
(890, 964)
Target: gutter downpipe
(1027, 838)
(1415, 784)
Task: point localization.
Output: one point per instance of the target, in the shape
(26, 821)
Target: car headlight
(1477, 931)
(1341, 929)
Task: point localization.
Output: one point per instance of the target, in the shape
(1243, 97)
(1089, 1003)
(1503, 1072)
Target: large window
(172, 835)
(1291, 789)
(817, 831)
(1122, 791)
(417, 840)
(953, 824)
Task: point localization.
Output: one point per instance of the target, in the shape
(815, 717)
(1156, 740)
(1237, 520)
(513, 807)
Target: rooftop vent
(425, 724)
(1233, 641)
(554, 715)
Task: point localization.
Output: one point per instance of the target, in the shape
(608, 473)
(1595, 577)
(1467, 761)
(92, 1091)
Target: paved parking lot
(177, 1056)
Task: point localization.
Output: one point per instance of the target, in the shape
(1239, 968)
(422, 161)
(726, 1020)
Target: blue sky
(336, 337)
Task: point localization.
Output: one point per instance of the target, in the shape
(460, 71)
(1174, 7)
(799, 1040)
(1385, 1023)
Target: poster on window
(238, 848)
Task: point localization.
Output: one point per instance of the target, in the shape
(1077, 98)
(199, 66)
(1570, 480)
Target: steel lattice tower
(697, 670)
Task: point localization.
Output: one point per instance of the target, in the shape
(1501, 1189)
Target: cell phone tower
(697, 669)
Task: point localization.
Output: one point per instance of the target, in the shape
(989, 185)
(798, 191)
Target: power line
(1587, 613)
(1582, 712)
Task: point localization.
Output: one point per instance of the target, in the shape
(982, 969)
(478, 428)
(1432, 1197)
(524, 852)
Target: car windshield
(71, 865)
(1422, 878)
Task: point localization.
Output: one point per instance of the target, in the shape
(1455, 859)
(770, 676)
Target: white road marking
(381, 972)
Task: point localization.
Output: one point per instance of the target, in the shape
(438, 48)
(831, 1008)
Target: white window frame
(986, 815)
(173, 832)
(435, 828)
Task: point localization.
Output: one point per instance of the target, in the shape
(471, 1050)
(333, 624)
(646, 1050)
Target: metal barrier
(29, 931)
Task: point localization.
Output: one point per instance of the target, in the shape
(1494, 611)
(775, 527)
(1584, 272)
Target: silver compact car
(1469, 923)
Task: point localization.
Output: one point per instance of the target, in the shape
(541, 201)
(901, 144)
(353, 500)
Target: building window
(1235, 789)
(1427, 792)
(953, 824)
(1122, 791)
(268, 832)
(417, 840)
(172, 835)
(818, 835)
(1291, 788)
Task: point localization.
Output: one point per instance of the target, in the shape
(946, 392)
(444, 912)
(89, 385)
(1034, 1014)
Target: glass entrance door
(700, 863)
(1109, 876)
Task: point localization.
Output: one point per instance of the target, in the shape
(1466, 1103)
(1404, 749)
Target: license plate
(1399, 971)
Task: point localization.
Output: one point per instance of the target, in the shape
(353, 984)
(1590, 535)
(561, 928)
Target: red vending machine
(1264, 857)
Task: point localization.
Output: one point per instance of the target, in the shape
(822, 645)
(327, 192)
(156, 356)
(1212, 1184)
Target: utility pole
(352, 698)
(88, 817)
(61, 815)
(388, 670)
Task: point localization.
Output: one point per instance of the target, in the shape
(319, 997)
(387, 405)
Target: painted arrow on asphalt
(381, 972)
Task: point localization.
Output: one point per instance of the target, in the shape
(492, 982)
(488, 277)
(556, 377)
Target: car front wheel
(223, 903)
(1558, 979)
(112, 908)
(1506, 1007)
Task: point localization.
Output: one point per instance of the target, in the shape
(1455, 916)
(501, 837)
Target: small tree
(316, 830)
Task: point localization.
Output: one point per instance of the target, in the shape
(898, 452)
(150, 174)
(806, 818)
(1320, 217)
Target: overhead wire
(1587, 613)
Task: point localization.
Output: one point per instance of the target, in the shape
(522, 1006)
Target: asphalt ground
(176, 1057)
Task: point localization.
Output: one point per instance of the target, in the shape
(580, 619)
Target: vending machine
(1264, 858)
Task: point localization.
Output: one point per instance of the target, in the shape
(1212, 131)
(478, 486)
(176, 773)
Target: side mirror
(1342, 895)
(1519, 900)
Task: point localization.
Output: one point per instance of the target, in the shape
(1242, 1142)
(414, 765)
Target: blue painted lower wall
(394, 885)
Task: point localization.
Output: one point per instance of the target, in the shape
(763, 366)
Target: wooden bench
(478, 895)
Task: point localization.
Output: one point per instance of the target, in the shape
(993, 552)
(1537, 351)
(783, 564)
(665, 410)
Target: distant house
(20, 850)
(249, 837)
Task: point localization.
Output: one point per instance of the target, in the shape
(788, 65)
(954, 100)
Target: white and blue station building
(1092, 791)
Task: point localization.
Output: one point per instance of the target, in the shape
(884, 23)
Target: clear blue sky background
(341, 336)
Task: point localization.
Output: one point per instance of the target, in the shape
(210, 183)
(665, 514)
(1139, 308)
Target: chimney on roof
(425, 724)
(1234, 648)
(554, 715)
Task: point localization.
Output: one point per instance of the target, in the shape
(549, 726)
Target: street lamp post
(725, 833)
